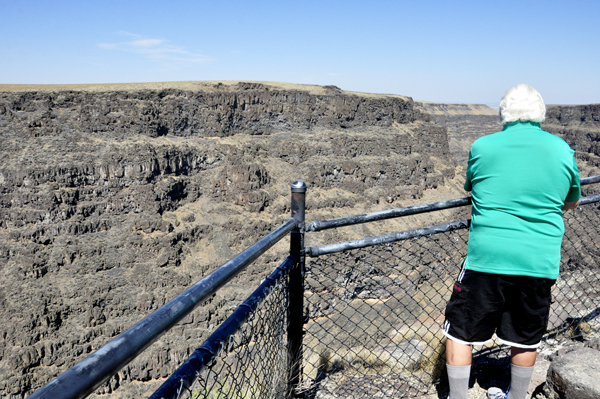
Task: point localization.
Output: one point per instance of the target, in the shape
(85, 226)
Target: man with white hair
(521, 179)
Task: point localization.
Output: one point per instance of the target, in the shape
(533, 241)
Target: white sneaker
(496, 393)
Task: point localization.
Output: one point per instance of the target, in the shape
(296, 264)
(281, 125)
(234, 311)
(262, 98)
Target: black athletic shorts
(516, 308)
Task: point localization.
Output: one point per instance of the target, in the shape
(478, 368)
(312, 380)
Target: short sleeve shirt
(520, 179)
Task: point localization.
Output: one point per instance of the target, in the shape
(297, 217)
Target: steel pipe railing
(387, 214)
(385, 238)
(185, 376)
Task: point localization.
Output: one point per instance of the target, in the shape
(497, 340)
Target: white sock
(520, 378)
(458, 379)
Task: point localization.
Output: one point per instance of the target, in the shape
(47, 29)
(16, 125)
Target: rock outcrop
(573, 373)
(115, 199)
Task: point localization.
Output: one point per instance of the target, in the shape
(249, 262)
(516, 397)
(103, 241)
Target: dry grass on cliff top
(206, 86)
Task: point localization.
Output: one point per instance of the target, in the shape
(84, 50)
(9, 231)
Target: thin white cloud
(147, 42)
(157, 50)
(107, 46)
(125, 33)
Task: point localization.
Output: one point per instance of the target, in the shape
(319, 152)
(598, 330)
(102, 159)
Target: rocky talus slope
(114, 199)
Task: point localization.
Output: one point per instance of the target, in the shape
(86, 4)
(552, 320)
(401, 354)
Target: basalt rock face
(112, 202)
(250, 108)
(579, 126)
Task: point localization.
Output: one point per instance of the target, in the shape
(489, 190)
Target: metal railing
(253, 364)
(358, 319)
(256, 332)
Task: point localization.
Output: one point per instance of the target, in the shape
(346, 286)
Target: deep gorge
(113, 200)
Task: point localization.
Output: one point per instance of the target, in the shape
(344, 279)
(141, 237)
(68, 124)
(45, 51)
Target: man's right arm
(570, 205)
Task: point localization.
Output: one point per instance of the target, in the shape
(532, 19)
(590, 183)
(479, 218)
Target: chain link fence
(247, 357)
(375, 314)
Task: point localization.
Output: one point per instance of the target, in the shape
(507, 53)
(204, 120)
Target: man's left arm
(468, 186)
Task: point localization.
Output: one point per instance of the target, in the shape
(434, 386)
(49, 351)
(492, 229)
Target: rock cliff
(114, 199)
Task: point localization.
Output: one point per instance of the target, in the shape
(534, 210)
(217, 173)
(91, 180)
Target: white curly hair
(522, 103)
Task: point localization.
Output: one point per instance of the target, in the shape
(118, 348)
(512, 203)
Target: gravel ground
(490, 371)
(540, 371)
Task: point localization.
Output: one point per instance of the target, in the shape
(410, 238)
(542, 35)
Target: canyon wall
(114, 199)
(579, 126)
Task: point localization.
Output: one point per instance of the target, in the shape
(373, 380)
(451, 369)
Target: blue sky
(443, 51)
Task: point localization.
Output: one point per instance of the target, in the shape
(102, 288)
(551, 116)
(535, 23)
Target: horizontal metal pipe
(589, 200)
(90, 373)
(590, 180)
(369, 241)
(186, 374)
(387, 214)
(409, 210)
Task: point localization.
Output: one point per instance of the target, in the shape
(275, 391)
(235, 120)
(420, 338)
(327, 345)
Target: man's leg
(521, 370)
(522, 357)
(458, 364)
(458, 354)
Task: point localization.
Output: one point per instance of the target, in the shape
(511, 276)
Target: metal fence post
(296, 289)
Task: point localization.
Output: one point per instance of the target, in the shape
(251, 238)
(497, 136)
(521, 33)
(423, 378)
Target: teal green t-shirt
(520, 178)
